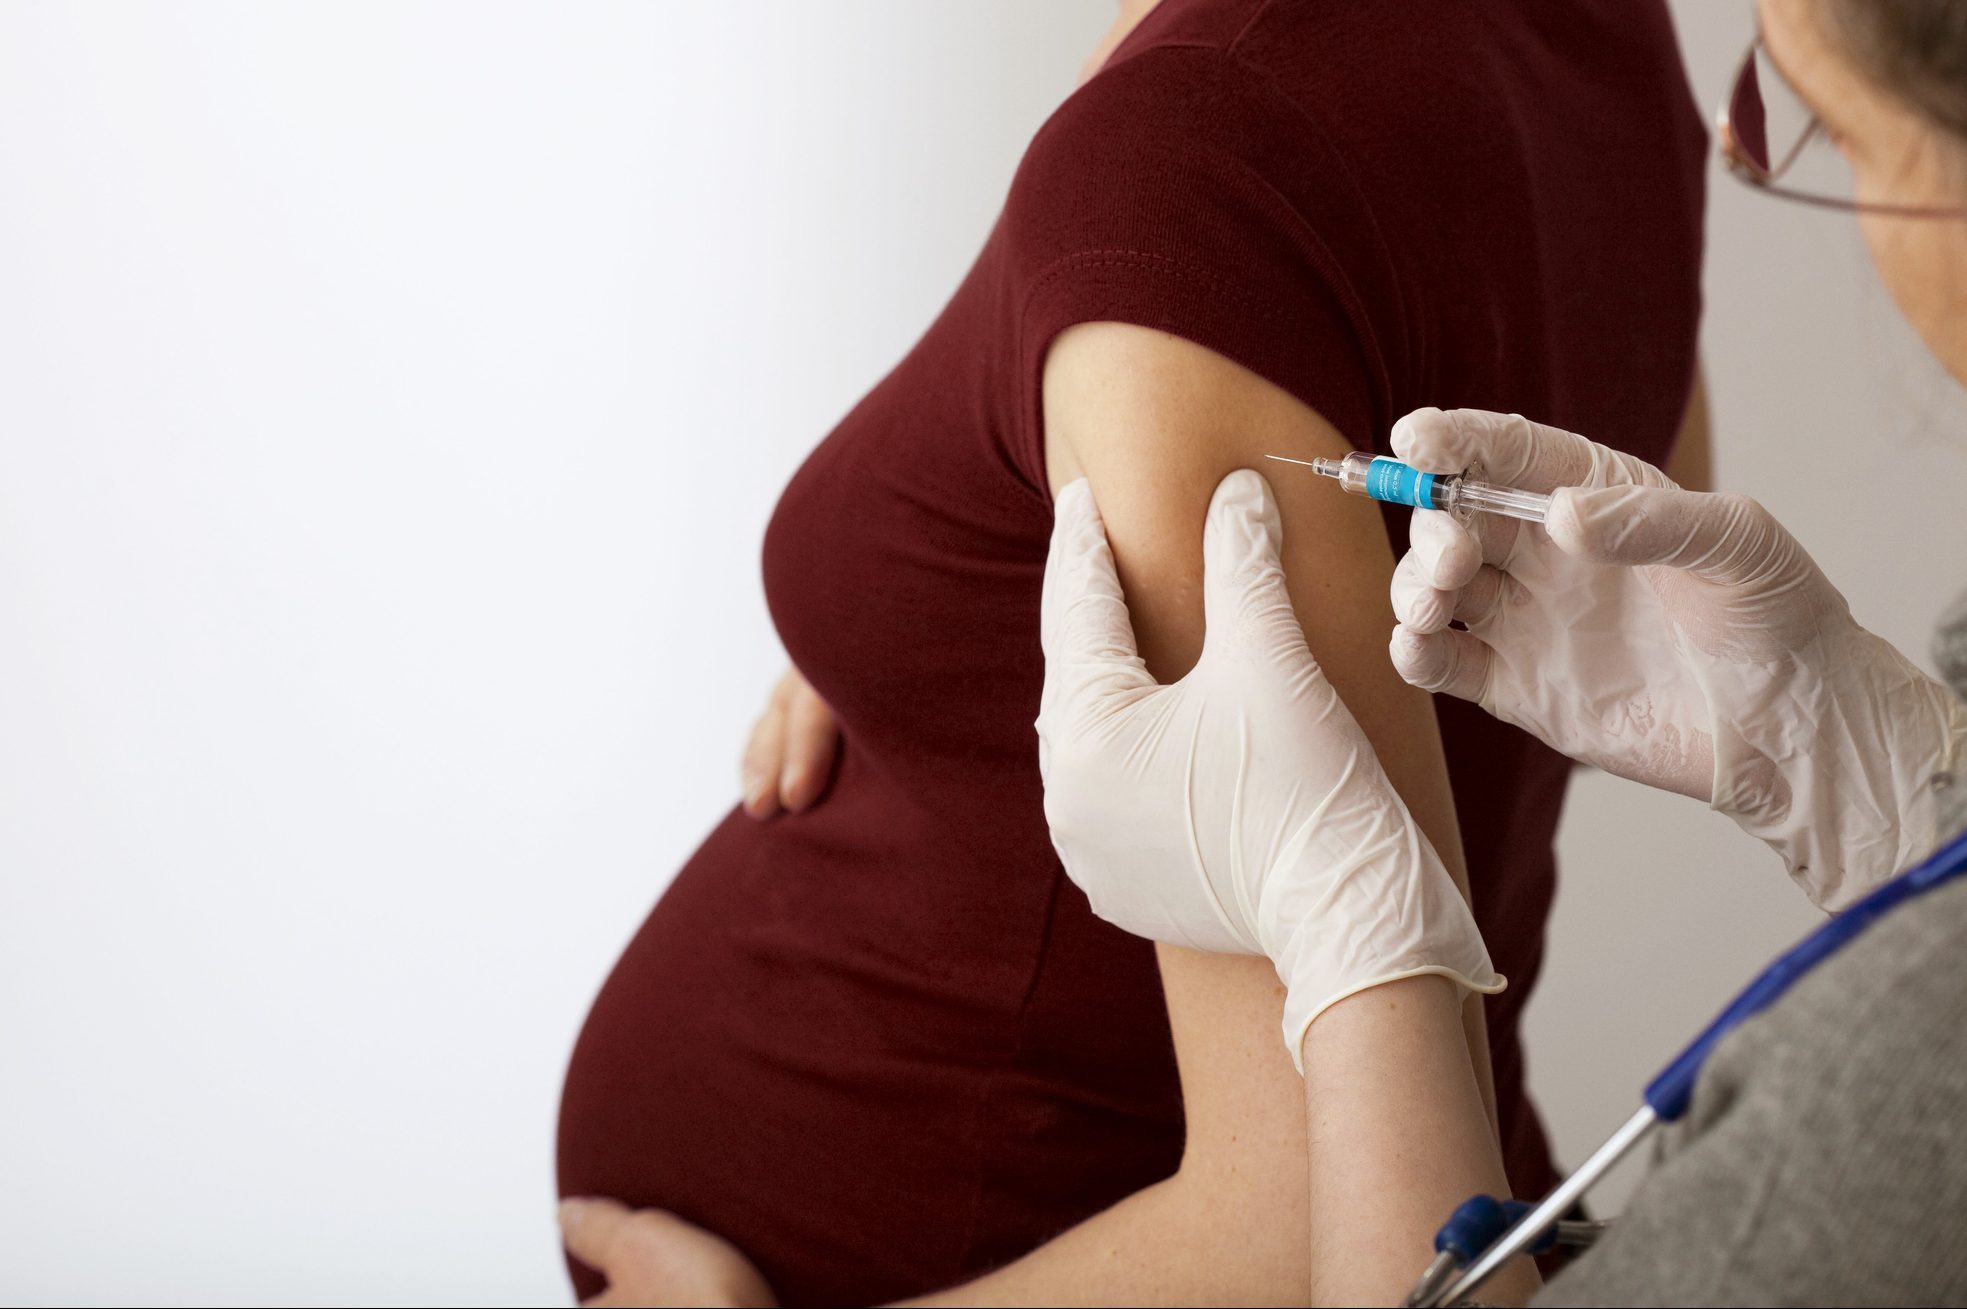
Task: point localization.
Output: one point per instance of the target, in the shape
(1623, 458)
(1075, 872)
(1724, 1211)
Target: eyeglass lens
(1771, 124)
(1746, 117)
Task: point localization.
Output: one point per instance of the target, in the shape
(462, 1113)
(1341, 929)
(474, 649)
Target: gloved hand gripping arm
(1240, 809)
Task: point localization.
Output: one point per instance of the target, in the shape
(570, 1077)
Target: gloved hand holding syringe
(1682, 639)
(1393, 482)
(1649, 631)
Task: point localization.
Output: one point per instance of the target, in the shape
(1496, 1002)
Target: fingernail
(568, 1212)
(788, 783)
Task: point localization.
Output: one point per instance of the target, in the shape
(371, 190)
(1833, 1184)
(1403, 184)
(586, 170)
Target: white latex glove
(1677, 638)
(1240, 809)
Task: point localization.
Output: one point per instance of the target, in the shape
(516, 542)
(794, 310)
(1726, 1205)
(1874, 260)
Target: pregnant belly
(734, 1073)
(877, 1069)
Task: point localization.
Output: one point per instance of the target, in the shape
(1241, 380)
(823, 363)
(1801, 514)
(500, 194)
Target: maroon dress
(884, 1045)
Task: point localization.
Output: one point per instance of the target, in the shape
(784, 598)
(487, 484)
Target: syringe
(1396, 483)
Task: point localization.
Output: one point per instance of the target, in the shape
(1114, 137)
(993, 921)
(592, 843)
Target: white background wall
(391, 401)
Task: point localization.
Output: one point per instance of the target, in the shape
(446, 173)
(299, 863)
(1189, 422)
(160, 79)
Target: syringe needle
(1323, 467)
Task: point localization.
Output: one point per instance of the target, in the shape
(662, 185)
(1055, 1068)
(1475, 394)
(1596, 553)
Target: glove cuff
(1940, 810)
(1298, 1021)
(1385, 908)
(1864, 789)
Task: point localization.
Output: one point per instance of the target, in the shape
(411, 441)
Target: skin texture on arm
(1390, 1109)
(1692, 463)
(1155, 423)
(1230, 1226)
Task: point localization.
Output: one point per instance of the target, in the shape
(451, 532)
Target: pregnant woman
(872, 1034)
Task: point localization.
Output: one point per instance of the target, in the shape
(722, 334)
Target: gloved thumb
(1244, 600)
(1082, 615)
(1725, 539)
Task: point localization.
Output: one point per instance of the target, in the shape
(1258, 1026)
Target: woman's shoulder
(1174, 191)
(1179, 153)
(1337, 126)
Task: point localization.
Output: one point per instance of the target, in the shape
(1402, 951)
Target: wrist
(1372, 908)
(1861, 794)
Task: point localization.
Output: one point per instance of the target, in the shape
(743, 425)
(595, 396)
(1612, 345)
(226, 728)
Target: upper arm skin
(1691, 465)
(1155, 422)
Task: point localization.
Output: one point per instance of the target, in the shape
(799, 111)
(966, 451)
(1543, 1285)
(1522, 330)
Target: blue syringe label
(1396, 483)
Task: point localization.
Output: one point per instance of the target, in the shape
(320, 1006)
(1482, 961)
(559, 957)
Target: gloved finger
(1083, 617)
(1510, 448)
(764, 758)
(1423, 608)
(1417, 602)
(1486, 595)
(811, 737)
(1723, 538)
(1446, 662)
(1456, 549)
(1244, 597)
(1447, 552)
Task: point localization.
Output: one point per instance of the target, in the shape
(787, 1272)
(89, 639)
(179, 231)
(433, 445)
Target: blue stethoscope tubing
(1668, 1095)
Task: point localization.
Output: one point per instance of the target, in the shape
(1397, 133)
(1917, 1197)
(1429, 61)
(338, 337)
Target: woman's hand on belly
(790, 754)
(652, 1257)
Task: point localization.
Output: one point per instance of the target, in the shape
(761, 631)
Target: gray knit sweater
(1824, 1160)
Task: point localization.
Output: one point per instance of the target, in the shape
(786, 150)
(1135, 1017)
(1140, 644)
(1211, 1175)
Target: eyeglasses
(1751, 120)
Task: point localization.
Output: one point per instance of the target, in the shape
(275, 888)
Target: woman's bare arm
(1692, 461)
(1156, 422)
(1392, 1116)
(1230, 1226)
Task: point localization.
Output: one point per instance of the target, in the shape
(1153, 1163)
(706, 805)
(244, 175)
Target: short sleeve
(1178, 191)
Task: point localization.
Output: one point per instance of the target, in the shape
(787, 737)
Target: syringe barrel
(1392, 482)
(1506, 500)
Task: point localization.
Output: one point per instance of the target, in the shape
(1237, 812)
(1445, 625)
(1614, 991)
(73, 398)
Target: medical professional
(1679, 639)
(1682, 640)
